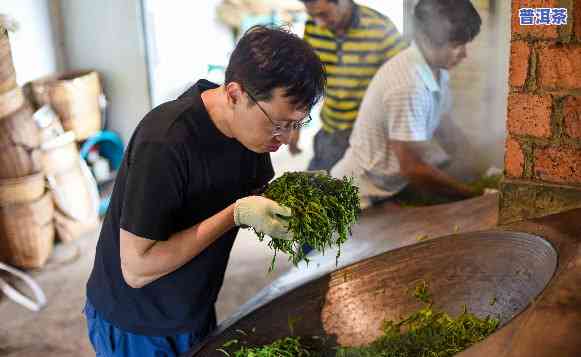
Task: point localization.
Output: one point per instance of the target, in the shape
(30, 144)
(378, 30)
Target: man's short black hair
(266, 58)
(447, 21)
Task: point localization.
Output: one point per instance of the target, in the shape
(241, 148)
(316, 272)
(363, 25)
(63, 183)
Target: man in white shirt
(392, 141)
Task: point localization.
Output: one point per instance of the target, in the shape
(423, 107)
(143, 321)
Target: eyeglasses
(278, 128)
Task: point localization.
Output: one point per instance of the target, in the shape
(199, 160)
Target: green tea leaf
(323, 211)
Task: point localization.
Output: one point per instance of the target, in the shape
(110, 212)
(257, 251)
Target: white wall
(107, 36)
(184, 37)
(498, 87)
(33, 45)
(391, 8)
(480, 88)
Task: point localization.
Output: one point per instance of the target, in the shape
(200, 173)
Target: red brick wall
(559, 67)
(520, 53)
(544, 104)
(577, 15)
(530, 114)
(572, 117)
(514, 167)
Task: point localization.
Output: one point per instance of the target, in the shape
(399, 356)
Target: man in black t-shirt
(188, 180)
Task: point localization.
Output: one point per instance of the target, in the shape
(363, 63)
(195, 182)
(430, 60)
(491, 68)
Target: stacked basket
(26, 208)
(73, 187)
(75, 98)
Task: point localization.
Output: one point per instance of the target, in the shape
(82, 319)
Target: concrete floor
(59, 329)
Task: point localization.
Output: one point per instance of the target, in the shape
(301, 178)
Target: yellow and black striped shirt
(351, 61)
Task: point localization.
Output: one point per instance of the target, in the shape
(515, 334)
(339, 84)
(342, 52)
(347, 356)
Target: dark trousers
(329, 148)
(111, 341)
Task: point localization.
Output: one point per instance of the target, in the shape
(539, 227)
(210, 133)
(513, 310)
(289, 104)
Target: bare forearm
(437, 180)
(164, 257)
(423, 175)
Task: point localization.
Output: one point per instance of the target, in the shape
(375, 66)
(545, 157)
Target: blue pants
(110, 341)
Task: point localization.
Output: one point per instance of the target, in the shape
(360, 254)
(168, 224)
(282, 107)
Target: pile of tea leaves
(323, 211)
(426, 333)
(413, 198)
(484, 182)
(284, 347)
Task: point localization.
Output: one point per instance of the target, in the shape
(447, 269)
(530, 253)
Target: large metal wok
(495, 273)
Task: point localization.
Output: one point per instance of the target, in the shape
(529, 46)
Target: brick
(558, 165)
(530, 115)
(535, 31)
(519, 63)
(514, 159)
(577, 20)
(572, 116)
(559, 67)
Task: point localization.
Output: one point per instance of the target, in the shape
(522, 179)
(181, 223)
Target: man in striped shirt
(392, 143)
(353, 41)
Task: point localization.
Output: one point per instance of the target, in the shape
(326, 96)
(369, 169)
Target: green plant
(284, 347)
(323, 211)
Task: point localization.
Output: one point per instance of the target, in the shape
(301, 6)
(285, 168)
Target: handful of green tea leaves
(323, 210)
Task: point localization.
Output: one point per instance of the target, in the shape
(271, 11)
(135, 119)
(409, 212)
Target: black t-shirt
(178, 170)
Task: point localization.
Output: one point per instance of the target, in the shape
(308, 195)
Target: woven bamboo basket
(74, 194)
(11, 101)
(19, 145)
(60, 154)
(49, 124)
(27, 233)
(69, 230)
(21, 189)
(75, 98)
(74, 189)
(7, 73)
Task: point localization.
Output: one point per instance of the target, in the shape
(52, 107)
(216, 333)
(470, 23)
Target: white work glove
(264, 215)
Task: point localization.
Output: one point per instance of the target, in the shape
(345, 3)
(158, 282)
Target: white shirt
(403, 102)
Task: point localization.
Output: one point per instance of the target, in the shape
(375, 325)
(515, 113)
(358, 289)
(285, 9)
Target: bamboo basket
(7, 73)
(19, 145)
(74, 189)
(60, 154)
(27, 233)
(73, 194)
(21, 189)
(75, 98)
(69, 230)
(48, 123)
(11, 101)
